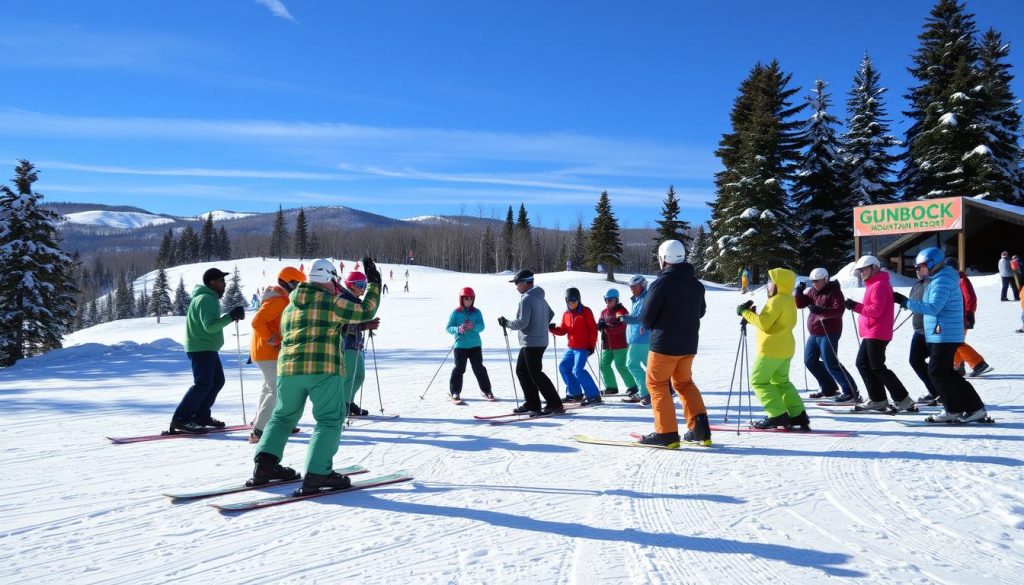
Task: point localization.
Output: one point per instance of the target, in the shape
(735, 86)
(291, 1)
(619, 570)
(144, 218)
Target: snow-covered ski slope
(518, 503)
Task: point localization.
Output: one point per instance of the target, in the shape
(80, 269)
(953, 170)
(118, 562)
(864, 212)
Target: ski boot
(701, 432)
(268, 469)
(315, 483)
(944, 417)
(668, 440)
(187, 428)
(822, 394)
(977, 416)
(211, 422)
(592, 401)
(773, 422)
(800, 422)
(255, 435)
(610, 391)
(354, 410)
(908, 404)
(571, 398)
(872, 406)
(527, 409)
(983, 368)
(551, 410)
(632, 391)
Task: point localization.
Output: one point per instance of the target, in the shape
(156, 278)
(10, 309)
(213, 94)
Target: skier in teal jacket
(465, 323)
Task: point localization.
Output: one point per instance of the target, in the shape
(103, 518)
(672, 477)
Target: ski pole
(803, 338)
(241, 385)
(905, 319)
(508, 348)
(554, 340)
(855, 331)
(750, 389)
(438, 370)
(376, 374)
(732, 380)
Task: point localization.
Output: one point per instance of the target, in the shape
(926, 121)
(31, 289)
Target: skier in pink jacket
(875, 326)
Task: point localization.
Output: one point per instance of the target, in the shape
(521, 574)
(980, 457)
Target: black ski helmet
(572, 294)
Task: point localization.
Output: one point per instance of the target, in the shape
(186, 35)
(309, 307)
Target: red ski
(743, 429)
(170, 435)
(522, 417)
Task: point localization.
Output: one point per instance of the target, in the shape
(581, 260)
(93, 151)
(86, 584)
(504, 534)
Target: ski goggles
(357, 283)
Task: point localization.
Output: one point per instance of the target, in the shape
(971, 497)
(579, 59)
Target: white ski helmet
(322, 270)
(865, 261)
(638, 280)
(672, 252)
(819, 274)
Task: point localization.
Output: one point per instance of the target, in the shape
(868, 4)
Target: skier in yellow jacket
(775, 346)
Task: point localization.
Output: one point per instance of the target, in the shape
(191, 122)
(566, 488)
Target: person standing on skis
(266, 343)
(639, 340)
(876, 322)
(532, 319)
(943, 310)
(578, 323)
(465, 323)
(309, 366)
(919, 345)
(355, 343)
(824, 301)
(672, 312)
(775, 347)
(614, 348)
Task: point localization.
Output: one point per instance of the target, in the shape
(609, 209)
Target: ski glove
(850, 304)
(969, 319)
(815, 309)
(800, 288)
(371, 325)
(370, 270)
(601, 325)
(468, 325)
(749, 305)
(900, 299)
(503, 322)
(461, 329)
(238, 313)
(551, 326)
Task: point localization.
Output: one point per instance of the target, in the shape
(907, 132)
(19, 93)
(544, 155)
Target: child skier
(578, 323)
(465, 323)
(613, 343)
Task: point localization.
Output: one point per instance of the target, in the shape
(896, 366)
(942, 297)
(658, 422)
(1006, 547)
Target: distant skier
(578, 324)
(309, 365)
(966, 353)
(943, 310)
(355, 344)
(744, 278)
(672, 312)
(1006, 274)
(266, 343)
(204, 337)
(532, 318)
(466, 323)
(775, 348)
(875, 325)
(824, 300)
(639, 339)
(613, 342)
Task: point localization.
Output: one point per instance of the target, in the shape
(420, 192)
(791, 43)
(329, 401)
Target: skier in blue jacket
(465, 323)
(639, 340)
(943, 308)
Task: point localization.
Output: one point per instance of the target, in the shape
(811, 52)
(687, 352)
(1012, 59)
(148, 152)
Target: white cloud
(278, 9)
(194, 172)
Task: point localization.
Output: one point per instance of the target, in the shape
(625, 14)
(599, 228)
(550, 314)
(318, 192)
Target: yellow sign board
(907, 217)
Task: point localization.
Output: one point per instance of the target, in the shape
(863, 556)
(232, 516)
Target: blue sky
(409, 108)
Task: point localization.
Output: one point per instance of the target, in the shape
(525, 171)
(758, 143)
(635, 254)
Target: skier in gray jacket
(532, 319)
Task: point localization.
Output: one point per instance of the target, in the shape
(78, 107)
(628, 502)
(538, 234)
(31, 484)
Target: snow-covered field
(116, 219)
(519, 503)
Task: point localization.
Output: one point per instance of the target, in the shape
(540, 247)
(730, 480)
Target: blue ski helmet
(611, 294)
(930, 257)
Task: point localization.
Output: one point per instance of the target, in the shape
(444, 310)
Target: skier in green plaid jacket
(310, 364)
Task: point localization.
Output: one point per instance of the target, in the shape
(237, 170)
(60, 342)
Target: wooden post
(962, 247)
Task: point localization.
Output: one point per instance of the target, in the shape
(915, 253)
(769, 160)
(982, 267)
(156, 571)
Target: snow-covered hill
(519, 503)
(219, 215)
(116, 219)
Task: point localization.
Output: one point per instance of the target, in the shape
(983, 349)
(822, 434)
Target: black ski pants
(1009, 284)
(919, 353)
(534, 381)
(207, 380)
(957, 393)
(877, 377)
(475, 357)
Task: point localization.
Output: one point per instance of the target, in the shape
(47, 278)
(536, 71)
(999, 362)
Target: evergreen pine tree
(223, 244)
(136, 310)
(507, 242)
(867, 144)
(36, 294)
(670, 227)
(160, 300)
(1000, 121)
(820, 194)
(523, 240)
(314, 244)
(181, 299)
(124, 301)
(109, 308)
(188, 246)
(300, 245)
(208, 240)
(578, 252)
(142, 304)
(233, 296)
(278, 235)
(605, 244)
(165, 255)
(698, 252)
(750, 218)
(941, 158)
(93, 316)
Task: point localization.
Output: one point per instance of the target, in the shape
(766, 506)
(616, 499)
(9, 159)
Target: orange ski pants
(661, 369)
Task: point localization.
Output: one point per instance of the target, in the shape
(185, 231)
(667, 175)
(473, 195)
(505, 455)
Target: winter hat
(611, 294)
(355, 278)
(290, 273)
(212, 275)
(572, 294)
(637, 280)
(523, 276)
(1005, 254)
(819, 274)
(865, 261)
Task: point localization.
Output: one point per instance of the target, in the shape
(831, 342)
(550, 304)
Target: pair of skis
(259, 503)
(170, 435)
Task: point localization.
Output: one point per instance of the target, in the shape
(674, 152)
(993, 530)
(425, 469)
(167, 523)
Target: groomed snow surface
(519, 503)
